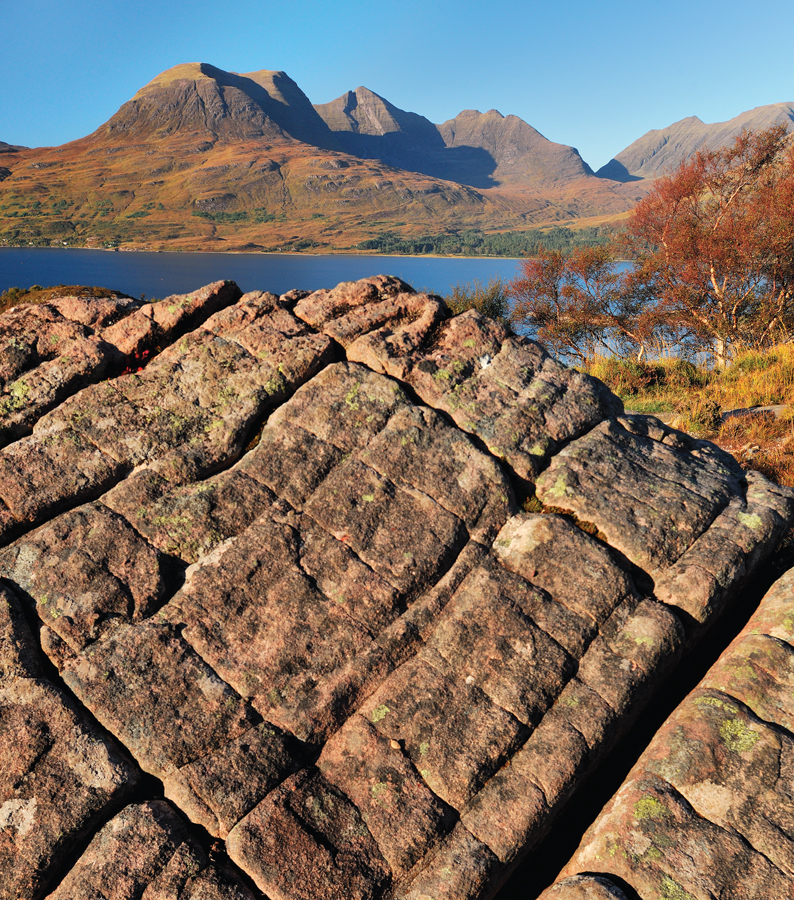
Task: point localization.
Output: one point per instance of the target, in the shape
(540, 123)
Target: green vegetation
(258, 216)
(222, 218)
(296, 245)
(473, 242)
(490, 300)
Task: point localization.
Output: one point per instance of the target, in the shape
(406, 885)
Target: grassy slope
(695, 398)
(258, 194)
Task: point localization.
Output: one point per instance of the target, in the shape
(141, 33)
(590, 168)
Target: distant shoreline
(302, 253)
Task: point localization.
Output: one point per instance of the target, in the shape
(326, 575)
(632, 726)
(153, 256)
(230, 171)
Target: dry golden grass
(695, 399)
(762, 442)
(753, 379)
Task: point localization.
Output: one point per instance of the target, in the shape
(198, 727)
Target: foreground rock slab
(146, 851)
(283, 565)
(59, 776)
(707, 811)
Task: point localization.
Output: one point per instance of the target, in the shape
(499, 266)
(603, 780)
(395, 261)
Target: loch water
(158, 275)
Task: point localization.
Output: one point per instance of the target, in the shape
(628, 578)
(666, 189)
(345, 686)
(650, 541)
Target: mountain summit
(199, 98)
(662, 150)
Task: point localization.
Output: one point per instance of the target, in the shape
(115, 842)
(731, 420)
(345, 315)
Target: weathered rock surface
(59, 775)
(50, 351)
(147, 851)
(708, 811)
(282, 564)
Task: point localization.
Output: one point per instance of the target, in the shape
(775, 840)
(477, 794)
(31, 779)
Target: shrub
(682, 374)
(627, 377)
(489, 300)
(699, 415)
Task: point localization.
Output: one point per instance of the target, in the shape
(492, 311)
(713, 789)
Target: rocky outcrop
(707, 811)
(269, 554)
(59, 773)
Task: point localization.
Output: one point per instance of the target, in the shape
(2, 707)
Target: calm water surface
(159, 274)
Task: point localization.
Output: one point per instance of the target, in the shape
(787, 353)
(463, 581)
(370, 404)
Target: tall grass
(753, 379)
(697, 397)
(490, 299)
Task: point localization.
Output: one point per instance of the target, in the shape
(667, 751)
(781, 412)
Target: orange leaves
(715, 241)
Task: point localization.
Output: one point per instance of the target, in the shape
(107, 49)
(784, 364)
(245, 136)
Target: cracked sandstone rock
(59, 775)
(282, 564)
(707, 810)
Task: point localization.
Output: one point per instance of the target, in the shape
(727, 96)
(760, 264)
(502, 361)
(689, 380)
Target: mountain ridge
(660, 151)
(482, 150)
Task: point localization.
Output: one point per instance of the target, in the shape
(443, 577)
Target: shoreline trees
(713, 251)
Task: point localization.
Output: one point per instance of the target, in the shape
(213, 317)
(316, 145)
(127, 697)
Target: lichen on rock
(273, 560)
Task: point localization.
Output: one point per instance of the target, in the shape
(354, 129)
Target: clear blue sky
(593, 75)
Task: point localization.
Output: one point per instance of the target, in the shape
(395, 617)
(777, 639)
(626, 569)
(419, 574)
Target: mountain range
(482, 150)
(201, 158)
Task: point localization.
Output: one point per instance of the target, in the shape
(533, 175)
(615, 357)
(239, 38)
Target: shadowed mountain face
(370, 127)
(478, 149)
(521, 154)
(9, 149)
(197, 97)
(662, 150)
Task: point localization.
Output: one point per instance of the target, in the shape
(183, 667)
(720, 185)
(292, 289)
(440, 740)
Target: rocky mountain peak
(200, 98)
(364, 112)
(521, 153)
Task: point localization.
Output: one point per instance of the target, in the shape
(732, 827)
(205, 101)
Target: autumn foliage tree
(579, 303)
(713, 252)
(714, 245)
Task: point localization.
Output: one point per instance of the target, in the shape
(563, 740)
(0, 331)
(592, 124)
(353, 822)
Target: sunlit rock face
(330, 595)
(707, 810)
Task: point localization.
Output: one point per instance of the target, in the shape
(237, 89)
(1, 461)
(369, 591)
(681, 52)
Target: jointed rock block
(282, 563)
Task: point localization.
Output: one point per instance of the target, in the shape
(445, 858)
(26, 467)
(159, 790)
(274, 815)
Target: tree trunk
(721, 352)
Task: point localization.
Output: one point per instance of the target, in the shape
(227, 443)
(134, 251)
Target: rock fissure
(309, 605)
